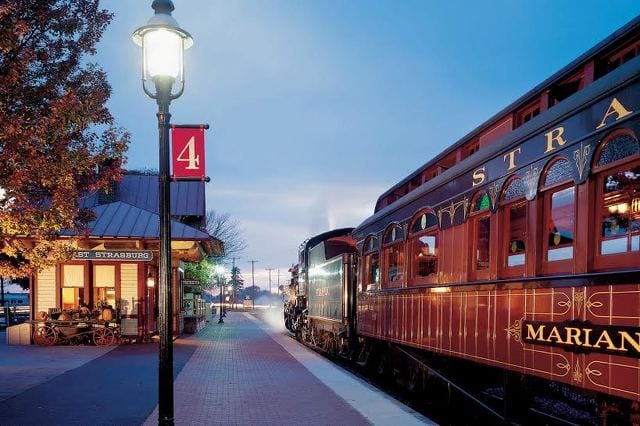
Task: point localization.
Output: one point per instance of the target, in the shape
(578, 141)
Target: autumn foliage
(57, 137)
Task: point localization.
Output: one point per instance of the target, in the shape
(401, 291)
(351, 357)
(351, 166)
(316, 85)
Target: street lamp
(219, 276)
(163, 43)
(151, 282)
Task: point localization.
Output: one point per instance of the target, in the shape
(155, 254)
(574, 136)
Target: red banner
(187, 152)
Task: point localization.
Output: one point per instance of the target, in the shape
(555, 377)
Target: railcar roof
(569, 69)
(599, 89)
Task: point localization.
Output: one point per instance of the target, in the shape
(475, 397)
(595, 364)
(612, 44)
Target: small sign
(187, 151)
(126, 255)
(192, 283)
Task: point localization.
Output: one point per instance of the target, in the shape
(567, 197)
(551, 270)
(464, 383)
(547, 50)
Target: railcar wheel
(45, 335)
(104, 337)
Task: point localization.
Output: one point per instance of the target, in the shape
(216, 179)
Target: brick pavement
(241, 374)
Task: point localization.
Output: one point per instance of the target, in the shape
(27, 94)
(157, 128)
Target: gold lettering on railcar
(479, 176)
(511, 155)
(554, 136)
(614, 108)
(584, 337)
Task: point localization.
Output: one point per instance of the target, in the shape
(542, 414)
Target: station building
(116, 260)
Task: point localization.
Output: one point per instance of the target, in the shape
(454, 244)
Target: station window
(424, 248)
(480, 220)
(104, 286)
(618, 184)
(514, 221)
(559, 200)
(371, 267)
(393, 257)
(72, 286)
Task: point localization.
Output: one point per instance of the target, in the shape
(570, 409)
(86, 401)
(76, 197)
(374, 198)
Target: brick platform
(245, 372)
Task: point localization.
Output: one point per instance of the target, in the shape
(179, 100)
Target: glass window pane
(73, 276)
(517, 228)
(628, 180)
(514, 190)
(373, 271)
(560, 224)
(425, 256)
(481, 203)
(560, 171)
(395, 264)
(482, 242)
(613, 246)
(562, 253)
(105, 276)
(617, 149)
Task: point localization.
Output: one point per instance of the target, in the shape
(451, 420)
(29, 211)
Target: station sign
(126, 255)
(187, 151)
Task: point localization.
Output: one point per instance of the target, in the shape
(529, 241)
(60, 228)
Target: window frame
(386, 251)
(431, 231)
(505, 208)
(474, 220)
(546, 195)
(614, 260)
(367, 255)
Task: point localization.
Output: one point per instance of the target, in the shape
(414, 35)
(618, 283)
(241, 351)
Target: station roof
(187, 197)
(123, 220)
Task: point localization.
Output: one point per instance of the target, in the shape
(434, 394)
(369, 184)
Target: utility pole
(234, 280)
(253, 283)
(278, 281)
(269, 269)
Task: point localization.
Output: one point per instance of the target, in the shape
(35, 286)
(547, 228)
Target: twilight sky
(317, 107)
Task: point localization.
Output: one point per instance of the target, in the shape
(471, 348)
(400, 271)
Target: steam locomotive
(513, 255)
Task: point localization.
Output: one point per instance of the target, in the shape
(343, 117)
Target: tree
(236, 282)
(227, 230)
(58, 141)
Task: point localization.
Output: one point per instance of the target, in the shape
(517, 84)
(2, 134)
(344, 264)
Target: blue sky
(317, 107)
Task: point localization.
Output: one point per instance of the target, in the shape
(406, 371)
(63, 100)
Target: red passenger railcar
(519, 246)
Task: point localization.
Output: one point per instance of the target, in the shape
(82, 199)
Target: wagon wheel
(45, 335)
(104, 336)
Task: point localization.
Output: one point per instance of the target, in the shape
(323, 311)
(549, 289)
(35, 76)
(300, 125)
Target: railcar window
(514, 222)
(559, 211)
(393, 256)
(618, 235)
(371, 264)
(517, 234)
(424, 249)
(481, 236)
(560, 224)
(620, 231)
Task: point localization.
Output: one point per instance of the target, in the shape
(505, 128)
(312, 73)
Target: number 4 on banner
(187, 151)
(191, 158)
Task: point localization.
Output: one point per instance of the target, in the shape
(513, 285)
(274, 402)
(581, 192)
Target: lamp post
(163, 43)
(151, 282)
